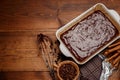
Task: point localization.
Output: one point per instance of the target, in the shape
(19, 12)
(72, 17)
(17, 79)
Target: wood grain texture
(68, 10)
(25, 76)
(20, 23)
(22, 20)
(28, 15)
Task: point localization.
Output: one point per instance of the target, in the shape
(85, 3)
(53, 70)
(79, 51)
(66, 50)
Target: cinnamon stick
(112, 57)
(112, 50)
(113, 45)
(116, 60)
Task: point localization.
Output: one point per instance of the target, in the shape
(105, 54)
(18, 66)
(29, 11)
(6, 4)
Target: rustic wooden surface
(22, 20)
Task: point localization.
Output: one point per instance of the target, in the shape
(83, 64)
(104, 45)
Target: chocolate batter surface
(87, 36)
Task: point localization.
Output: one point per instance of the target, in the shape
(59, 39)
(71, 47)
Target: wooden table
(20, 23)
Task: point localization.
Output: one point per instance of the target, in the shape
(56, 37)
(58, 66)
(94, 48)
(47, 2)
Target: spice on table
(67, 72)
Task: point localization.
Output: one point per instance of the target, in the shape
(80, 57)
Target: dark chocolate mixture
(67, 72)
(88, 35)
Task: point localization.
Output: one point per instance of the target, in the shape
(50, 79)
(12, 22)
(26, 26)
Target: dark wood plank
(28, 15)
(68, 10)
(15, 63)
(25, 76)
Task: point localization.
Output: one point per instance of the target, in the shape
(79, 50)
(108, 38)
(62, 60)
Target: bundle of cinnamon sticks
(113, 54)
